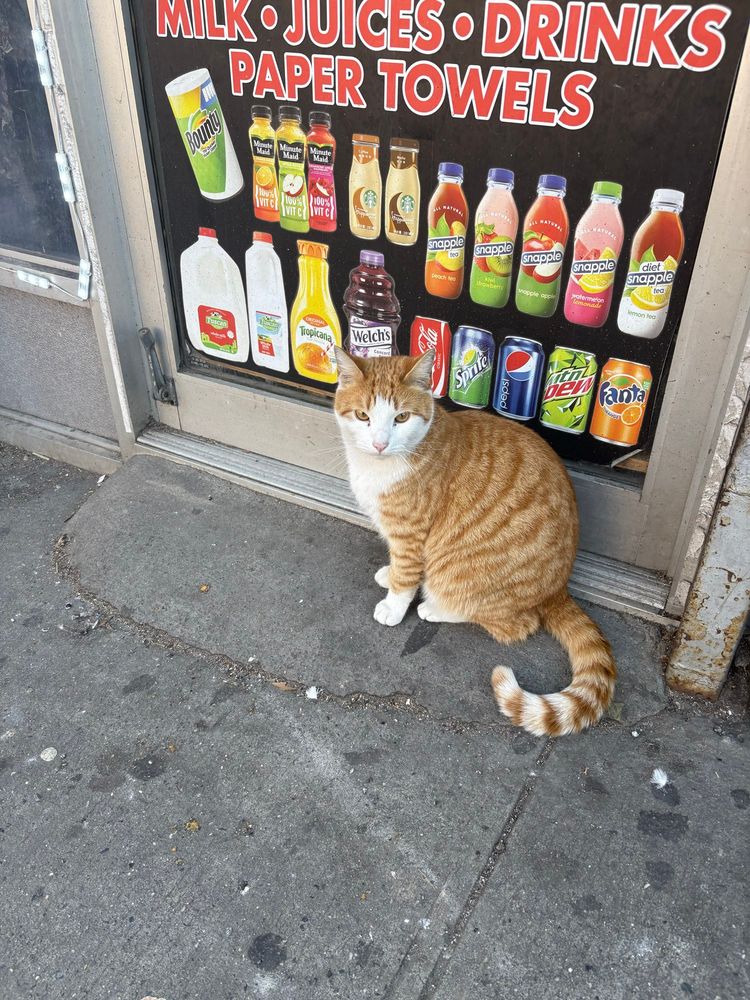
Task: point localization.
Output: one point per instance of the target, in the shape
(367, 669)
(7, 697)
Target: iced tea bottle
(447, 218)
(545, 233)
(596, 249)
(372, 309)
(265, 183)
(290, 145)
(654, 256)
(321, 153)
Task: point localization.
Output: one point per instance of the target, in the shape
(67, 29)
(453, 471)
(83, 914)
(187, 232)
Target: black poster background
(651, 128)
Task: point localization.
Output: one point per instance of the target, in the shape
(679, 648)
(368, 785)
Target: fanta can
(621, 401)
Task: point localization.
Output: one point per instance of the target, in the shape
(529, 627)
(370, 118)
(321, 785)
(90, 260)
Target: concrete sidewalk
(181, 820)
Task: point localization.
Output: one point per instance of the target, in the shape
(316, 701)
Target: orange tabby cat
(480, 513)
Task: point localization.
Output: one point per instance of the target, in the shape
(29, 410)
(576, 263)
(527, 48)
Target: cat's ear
(420, 374)
(349, 370)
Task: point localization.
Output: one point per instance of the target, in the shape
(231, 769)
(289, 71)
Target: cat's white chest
(370, 478)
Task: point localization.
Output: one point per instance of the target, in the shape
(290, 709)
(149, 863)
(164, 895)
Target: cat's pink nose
(380, 448)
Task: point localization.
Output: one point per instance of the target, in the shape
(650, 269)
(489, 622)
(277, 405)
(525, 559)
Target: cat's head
(384, 406)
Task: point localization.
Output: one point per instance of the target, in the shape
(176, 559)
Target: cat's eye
(401, 418)
(361, 415)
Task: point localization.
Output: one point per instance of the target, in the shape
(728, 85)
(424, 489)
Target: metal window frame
(649, 526)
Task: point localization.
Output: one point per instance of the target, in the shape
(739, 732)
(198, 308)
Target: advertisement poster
(532, 177)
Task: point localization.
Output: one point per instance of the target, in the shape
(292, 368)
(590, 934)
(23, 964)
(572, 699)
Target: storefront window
(34, 217)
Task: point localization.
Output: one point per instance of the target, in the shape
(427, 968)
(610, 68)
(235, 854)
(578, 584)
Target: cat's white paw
(428, 612)
(382, 577)
(390, 612)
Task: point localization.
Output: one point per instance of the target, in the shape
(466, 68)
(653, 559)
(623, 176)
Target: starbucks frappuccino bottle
(402, 193)
(365, 187)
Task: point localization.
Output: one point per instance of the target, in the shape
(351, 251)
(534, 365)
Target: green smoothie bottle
(495, 228)
(545, 233)
(291, 143)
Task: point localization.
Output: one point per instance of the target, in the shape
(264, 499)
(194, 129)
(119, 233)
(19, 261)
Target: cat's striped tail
(583, 702)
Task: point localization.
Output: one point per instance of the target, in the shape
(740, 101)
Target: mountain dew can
(204, 134)
(472, 359)
(568, 390)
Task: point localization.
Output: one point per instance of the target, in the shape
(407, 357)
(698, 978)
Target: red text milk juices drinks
(495, 228)
(321, 153)
(545, 233)
(654, 256)
(596, 249)
(447, 218)
(372, 309)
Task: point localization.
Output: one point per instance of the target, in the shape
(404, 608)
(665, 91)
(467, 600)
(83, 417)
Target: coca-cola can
(427, 333)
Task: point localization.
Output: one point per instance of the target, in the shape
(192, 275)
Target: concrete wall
(51, 366)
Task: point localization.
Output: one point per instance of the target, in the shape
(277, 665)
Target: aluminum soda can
(519, 378)
(472, 358)
(568, 390)
(621, 400)
(427, 333)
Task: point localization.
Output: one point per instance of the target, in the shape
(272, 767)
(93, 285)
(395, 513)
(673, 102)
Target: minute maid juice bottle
(545, 233)
(315, 326)
(263, 146)
(204, 134)
(654, 256)
(291, 144)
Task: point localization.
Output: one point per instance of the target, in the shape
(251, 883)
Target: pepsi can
(472, 357)
(519, 378)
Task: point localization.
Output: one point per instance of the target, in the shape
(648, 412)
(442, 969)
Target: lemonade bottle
(495, 228)
(263, 146)
(291, 145)
(654, 256)
(315, 326)
(598, 241)
(545, 233)
(447, 218)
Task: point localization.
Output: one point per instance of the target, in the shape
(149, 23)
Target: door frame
(646, 524)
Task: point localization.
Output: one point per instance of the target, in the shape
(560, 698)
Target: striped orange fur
(480, 513)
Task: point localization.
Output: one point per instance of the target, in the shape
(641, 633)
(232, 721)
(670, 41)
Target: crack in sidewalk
(240, 672)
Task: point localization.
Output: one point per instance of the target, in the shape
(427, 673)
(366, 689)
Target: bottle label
(319, 156)
(370, 339)
(291, 152)
(293, 196)
(314, 342)
(402, 214)
(269, 331)
(263, 148)
(649, 282)
(218, 329)
(322, 194)
(365, 202)
(446, 244)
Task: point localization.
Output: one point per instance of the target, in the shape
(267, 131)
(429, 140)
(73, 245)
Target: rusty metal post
(719, 600)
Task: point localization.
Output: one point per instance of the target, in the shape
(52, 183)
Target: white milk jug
(214, 300)
(266, 305)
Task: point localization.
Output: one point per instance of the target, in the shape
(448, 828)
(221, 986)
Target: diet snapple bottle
(545, 233)
(204, 133)
(596, 249)
(654, 256)
(372, 309)
(495, 228)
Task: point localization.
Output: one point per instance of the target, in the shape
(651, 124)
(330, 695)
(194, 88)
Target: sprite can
(204, 135)
(568, 390)
(472, 358)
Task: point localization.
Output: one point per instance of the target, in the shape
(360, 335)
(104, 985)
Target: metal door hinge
(164, 388)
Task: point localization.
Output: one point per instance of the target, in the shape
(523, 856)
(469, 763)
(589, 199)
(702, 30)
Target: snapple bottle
(596, 249)
(372, 309)
(321, 152)
(447, 218)
(495, 229)
(545, 233)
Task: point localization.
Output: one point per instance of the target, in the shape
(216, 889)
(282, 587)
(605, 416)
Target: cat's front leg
(402, 577)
